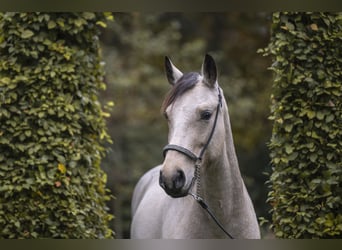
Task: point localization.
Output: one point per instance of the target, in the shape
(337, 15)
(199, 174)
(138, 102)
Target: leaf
(288, 127)
(105, 114)
(313, 157)
(17, 223)
(78, 22)
(290, 26)
(4, 81)
(288, 116)
(288, 149)
(72, 164)
(329, 118)
(314, 26)
(88, 15)
(26, 34)
(311, 114)
(280, 121)
(51, 24)
(315, 135)
(61, 168)
(102, 24)
(279, 234)
(276, 160)
(293, 156)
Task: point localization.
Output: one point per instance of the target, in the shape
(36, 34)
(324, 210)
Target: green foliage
(52, 130)
(307, 138)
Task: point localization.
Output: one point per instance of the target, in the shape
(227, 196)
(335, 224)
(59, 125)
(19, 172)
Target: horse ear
(209, 71)
(172, 73)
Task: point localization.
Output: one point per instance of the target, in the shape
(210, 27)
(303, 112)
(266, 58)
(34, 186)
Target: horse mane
(186, 82)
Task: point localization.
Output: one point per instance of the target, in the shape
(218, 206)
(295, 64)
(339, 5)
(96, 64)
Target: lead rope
(205, 206)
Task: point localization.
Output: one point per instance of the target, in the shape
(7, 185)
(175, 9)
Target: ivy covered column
(52, 130)
(306, 144)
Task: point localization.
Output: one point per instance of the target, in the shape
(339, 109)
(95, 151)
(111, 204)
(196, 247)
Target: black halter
(198, 161)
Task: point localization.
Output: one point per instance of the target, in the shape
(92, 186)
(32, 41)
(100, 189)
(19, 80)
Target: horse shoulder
(147, 206)
(141, 188)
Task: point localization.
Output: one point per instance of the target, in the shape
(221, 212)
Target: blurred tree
(306, 110)
(134, 49)
(52, 129)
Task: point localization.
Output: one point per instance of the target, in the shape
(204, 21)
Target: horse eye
(166, 116)
(205, 115)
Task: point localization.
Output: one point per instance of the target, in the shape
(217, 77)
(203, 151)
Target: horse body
(161, 206)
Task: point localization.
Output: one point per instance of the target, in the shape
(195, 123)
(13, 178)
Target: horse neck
(222, 185)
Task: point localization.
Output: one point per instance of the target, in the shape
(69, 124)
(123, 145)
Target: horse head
(192, 109)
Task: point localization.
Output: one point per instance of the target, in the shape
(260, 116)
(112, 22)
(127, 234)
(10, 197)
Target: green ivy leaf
(51, 24)
(311, 114)
(288, 149)
(329, 118)
(288, 127)
(26, 34)
(320, 115)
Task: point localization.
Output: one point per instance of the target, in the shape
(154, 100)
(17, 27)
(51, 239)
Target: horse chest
(191, 223)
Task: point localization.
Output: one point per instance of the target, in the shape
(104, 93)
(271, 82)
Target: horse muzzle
(174, 185)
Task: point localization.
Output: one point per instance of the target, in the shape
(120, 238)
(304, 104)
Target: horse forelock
(185, 83)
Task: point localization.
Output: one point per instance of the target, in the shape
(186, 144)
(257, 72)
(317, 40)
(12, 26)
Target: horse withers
(200, 162)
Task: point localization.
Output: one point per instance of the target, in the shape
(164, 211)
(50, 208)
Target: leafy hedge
(306, 144)
(52, 130)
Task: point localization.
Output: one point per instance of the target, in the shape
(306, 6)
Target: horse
(200, 169)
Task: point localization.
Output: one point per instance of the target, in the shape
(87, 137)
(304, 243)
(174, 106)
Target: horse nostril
(178, 180)
(161, 180)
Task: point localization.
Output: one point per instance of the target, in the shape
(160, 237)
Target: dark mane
(186, 82)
